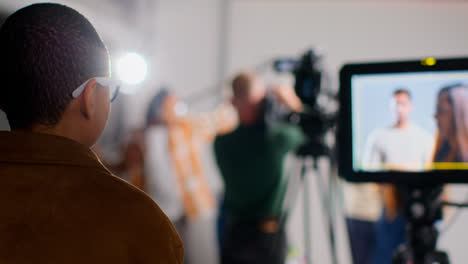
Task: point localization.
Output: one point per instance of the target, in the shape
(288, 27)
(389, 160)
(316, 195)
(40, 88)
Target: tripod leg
(306, 213)
(328, 209)
(332, 194)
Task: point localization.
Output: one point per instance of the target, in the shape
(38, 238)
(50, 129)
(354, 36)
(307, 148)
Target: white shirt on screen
(408, 149)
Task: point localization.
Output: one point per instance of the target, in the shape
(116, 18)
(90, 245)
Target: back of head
(47, 50)
(248, 97)
(248, 88)
(243, 84)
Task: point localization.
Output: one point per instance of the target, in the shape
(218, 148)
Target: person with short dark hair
(58, 203)
(251, 160)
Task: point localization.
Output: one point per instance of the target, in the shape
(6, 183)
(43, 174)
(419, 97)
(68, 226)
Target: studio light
(131, 69)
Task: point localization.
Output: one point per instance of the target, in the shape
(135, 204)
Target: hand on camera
(286, 95)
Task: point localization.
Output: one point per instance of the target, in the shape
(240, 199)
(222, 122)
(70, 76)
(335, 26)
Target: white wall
(346, 30)
(183, 53)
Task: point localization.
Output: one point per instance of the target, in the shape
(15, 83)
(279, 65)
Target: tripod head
(315, 126)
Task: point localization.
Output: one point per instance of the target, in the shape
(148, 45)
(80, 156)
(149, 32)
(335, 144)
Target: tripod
(308, 155)
(422, 209)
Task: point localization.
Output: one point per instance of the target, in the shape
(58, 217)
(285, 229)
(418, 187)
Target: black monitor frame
(345, 136)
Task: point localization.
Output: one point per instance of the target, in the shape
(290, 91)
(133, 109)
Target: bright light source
(131, 68)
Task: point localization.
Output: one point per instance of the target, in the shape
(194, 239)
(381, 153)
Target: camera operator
(250, 160)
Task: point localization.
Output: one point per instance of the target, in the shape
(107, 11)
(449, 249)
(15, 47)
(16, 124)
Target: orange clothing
(59, 204)
(182, 187)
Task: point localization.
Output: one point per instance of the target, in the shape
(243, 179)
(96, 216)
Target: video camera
(310, 84)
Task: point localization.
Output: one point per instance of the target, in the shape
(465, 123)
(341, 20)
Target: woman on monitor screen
(452, 123)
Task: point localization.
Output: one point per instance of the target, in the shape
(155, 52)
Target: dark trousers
(390, 235)
(362, 240)
(245, 243)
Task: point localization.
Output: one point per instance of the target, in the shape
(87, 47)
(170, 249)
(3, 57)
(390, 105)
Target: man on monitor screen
(403, 146)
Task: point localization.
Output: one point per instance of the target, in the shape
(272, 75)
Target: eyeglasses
(114, 87)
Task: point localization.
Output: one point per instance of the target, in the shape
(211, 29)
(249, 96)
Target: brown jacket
(59, 204)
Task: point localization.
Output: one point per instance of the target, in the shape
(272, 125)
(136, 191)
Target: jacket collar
(29, 147)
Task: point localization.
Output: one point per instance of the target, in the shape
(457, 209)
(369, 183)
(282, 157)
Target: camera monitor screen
(405, 122)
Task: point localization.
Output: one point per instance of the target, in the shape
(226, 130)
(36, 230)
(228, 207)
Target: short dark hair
(242, 84)
(402, 91)
(46, 50)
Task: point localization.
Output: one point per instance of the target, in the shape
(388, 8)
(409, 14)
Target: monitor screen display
(409, 121)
